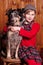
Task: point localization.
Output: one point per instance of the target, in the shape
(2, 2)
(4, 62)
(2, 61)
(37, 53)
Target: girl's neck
(26, 22)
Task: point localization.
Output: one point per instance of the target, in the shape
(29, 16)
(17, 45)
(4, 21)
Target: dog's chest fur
(14, 40)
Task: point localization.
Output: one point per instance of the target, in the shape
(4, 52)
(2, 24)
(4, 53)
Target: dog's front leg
(8, 51)
(16, 53)
(8, 46)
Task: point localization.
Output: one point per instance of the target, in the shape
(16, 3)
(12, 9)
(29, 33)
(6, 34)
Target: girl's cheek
(26, 16)
(32, 17)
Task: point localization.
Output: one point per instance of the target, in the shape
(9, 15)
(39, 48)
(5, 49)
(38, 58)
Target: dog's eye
(12, 20)
(10, 16)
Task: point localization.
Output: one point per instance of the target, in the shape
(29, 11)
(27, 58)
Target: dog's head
(13, 17)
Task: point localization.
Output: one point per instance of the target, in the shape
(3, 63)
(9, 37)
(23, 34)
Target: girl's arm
(5, 29)
(31, 33)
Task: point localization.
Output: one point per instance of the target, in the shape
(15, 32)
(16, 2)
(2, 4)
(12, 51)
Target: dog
(14, 39)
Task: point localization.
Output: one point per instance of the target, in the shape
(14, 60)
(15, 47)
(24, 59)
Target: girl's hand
(15, 28)
(9, 27)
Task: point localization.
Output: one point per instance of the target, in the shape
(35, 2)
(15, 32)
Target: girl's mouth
(29, 18)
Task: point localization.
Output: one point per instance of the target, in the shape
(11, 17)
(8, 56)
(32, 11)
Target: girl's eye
(28, 14)
(32, 14)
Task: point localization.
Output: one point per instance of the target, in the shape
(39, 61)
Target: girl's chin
(29, 20)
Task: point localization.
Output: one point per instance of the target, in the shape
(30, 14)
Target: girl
(27, 50)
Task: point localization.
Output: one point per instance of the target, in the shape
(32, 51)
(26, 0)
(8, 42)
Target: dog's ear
(8, 12)
(20, 11)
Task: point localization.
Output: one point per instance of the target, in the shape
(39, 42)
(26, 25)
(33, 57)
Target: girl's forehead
(30, 11)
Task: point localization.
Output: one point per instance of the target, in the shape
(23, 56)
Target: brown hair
(29, 11)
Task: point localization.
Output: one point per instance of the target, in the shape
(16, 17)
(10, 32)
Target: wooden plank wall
(39, 18)
(14, 4)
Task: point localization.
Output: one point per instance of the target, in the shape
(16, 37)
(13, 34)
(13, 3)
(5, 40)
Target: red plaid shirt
(29, 37)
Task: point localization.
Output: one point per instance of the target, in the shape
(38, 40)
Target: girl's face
(30, 15)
